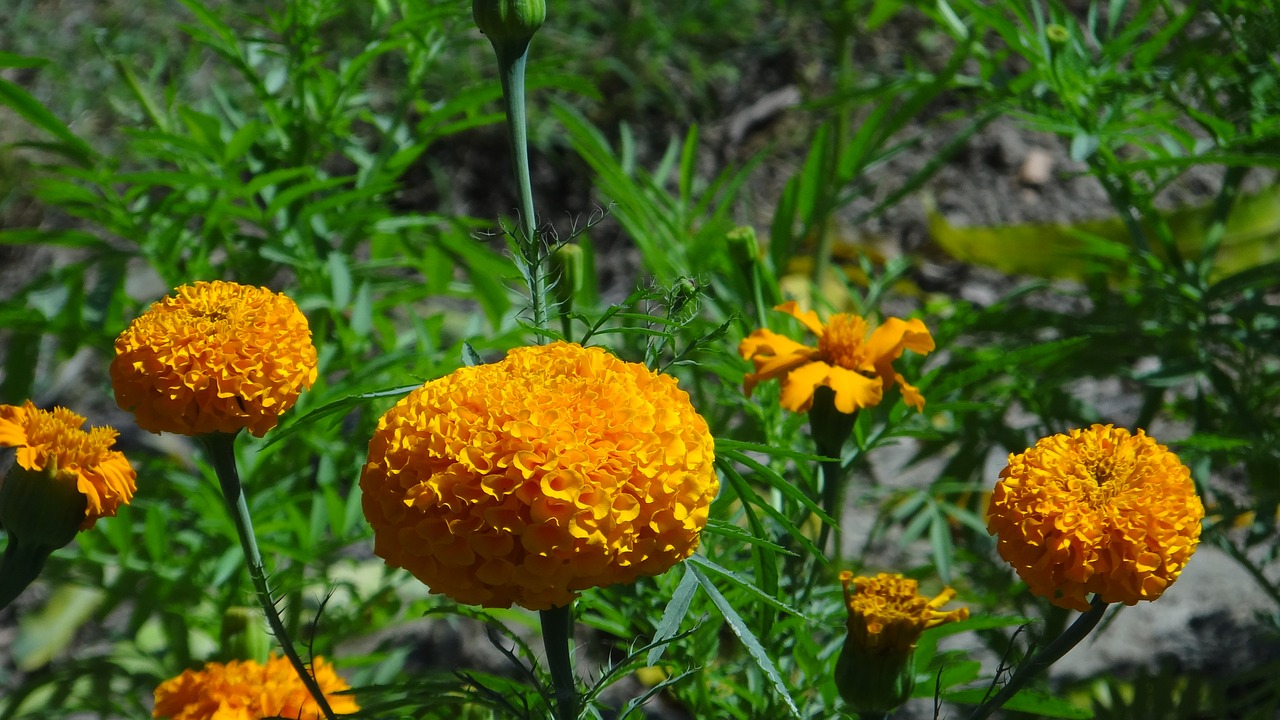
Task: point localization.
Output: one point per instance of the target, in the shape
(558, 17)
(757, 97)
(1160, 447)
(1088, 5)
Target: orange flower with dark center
(1096, 511)
(214, 357)
(852, 359)
(55, 445)
(528, 480)
(247, 690)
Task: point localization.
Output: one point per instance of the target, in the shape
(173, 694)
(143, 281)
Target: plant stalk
(1060, 646)
(557, 633)
(220, 448)
(511, 71)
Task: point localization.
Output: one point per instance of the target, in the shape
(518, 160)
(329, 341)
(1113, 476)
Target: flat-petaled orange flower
(852, 359)
(1096, 511)
(247, 690)
(54, 445)
(214, 357)
(887, 614)
(528, 480)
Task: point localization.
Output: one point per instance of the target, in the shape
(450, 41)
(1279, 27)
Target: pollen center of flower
(841, 344)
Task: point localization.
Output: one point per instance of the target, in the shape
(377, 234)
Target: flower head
(1096, 511)
(59, 464)
(851, 358)
(214, 357)
(247, 690)
(887, 615)
(528, 480)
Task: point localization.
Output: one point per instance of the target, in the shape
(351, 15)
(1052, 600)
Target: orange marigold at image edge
(247, 690)
(54, 442)
(1097, 510)
(528, 480)
(852, 359)
(214, 357)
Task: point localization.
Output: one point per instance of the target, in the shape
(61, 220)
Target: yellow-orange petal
(853, 390)
(889, 340)
(808, 318)
(798, 386)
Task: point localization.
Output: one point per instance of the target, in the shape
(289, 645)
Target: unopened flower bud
(744, 249)
(568, 275)
(509, 23)
(243, 636)
(41, 508)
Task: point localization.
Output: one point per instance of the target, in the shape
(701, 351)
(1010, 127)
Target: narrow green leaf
(21, 102)
(1027, 701)
(749, 640)
(673, 616)
(702, 562)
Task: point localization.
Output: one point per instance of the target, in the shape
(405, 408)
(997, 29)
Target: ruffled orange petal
(889, 340)
(767, 342)
(910, 393)
(12, 430)
(799, 384)
(853, 390)
(808, 317)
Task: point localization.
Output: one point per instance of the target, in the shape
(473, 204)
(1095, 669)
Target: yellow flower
(887, 614)
(214, 357)
(528, 480)
(246, 690)
(856, 364)
(1096, 511)
(53, 446)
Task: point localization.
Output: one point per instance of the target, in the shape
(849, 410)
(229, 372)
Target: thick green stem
(220, 448)
(557, 634)
(511, 70)
(1043, 659)
(832, 499)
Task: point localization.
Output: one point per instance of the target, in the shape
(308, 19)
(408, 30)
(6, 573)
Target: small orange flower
(214, 357)
(246, 690)
(887, 614)
(855, 363)
(1096, 511)
(528, 480)
(54, 445)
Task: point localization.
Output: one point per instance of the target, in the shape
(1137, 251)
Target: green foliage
(318, 147)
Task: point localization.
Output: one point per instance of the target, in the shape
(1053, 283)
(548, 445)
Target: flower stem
(511, 70)
(557, 633)
(220, 448)
(1060, 646)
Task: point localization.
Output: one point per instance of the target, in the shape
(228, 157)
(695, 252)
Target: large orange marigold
(1096, 511)
(53, 445)
(214, 357)
(247, 690)
(528, 480)
(852, 358)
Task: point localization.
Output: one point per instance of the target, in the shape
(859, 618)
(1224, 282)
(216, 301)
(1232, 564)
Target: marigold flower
(247, 690)
(528, 480)
(214, 357)
(52, 448)
(852, 359)
(1096, 511)
(887, 615)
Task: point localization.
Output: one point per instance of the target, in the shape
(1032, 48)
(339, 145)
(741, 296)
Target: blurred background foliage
(352, 155)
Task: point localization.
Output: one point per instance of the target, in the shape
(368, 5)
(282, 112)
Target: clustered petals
(54, 443)
(214, 357)
(852, 359)
(247, 690)
(1098, 510)
(528, 480)
(887, 613)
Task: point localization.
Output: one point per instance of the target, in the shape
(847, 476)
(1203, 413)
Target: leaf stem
(557, 632)
(1060, 646)
(220, 448)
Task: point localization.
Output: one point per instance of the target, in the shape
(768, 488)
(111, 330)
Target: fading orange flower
(528, 480)
(887, 614)
(851, 358)
(53, 446)
(246, 690)
(1096, 511)
(214, 357)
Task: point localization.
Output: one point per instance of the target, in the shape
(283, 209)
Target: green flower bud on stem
(243, 636)
(41, 510)
(744, 249)
(509, 24)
